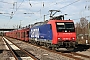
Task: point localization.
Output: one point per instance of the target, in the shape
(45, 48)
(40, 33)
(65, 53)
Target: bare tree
(82, 29)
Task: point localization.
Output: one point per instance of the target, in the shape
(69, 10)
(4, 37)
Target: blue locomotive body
(41, 33)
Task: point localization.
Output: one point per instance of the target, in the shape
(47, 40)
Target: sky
(24, 12)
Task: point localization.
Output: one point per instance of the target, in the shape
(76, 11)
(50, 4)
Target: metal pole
(88, 31)
(20, 23)
(44, 17)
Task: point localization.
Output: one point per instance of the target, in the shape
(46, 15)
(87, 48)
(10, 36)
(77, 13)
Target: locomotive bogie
(66, 44)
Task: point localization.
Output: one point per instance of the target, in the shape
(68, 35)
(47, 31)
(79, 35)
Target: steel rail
(80, 55)
(66, 55)
(10, 48)
(28, 53)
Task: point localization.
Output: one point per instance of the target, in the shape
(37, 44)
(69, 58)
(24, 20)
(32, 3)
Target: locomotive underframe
(48, 43)
(67, 44)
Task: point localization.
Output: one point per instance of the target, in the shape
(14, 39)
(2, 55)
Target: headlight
(59, 39)
(73, 38)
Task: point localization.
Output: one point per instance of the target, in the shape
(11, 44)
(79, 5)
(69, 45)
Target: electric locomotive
(54, 33)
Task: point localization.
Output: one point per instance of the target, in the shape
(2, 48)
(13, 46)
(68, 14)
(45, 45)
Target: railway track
(72, 55)
(80, 55)
(76, 56)
(16, 54)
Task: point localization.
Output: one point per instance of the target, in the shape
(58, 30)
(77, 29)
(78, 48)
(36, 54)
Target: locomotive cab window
(60, 25)
(65, 27)
(69, 25)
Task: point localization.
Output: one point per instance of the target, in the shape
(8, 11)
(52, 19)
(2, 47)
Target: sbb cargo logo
(35, 32)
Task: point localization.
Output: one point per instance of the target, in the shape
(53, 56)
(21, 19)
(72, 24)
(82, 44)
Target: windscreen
(65, 27)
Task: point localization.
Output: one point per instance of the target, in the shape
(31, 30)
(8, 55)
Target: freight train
(53, 33)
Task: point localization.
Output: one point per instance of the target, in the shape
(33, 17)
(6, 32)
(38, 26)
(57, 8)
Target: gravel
(42, 54)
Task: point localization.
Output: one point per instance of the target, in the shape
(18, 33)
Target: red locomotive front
(63, 32)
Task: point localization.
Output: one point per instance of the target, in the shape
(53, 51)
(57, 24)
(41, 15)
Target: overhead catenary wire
(40, 9)
(13, 12)
(55, 3)
(30, 3)
(17, 8)
(83, 11)
(84, 17)
(43, 4)
(70, 4)
(51, 5)
(6, 2)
